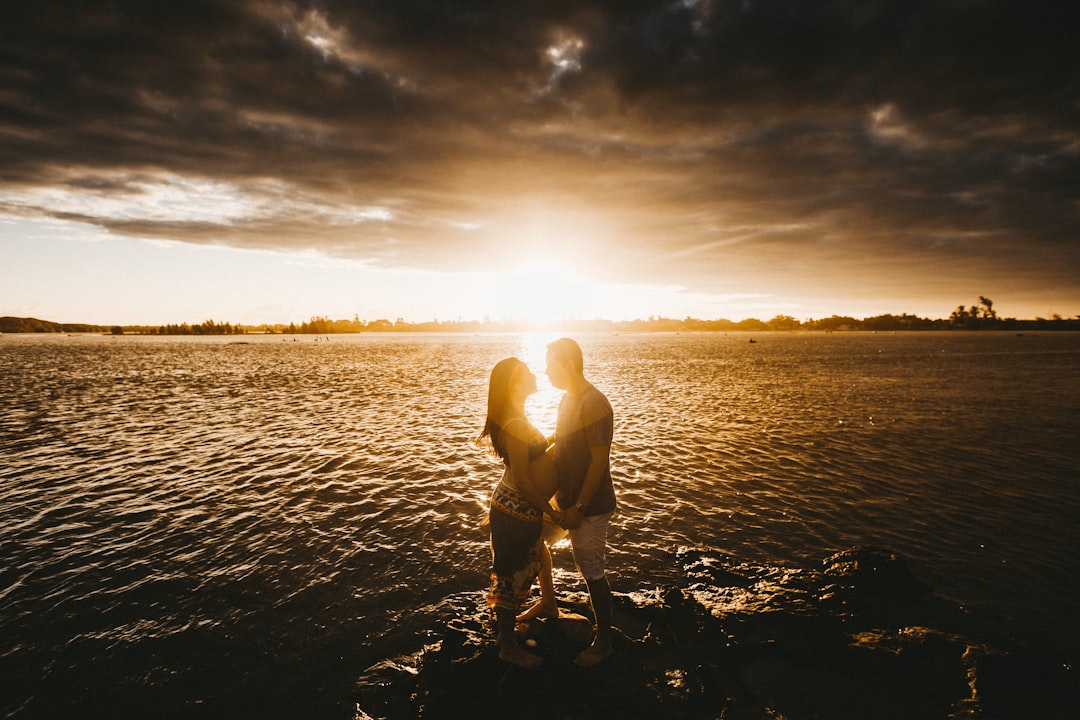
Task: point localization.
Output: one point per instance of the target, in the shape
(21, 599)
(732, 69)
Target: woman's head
(500, 384)
(510, 383)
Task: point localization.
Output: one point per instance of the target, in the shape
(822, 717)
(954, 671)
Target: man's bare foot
(593, 655)
(517, 655)
(541, 609)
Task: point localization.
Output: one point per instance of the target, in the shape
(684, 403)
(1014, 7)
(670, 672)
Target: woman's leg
(546, 606)
(509, 649)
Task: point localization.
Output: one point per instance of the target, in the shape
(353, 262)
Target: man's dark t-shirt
(585, 419)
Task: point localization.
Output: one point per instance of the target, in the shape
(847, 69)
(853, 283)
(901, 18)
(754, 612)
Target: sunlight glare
(538, 293)
(543, 406)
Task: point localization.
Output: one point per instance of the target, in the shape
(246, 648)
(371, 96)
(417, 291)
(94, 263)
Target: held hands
(568, 519)
(571, 518)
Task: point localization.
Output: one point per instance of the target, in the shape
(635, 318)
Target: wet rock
(875, 571)
(862, 638)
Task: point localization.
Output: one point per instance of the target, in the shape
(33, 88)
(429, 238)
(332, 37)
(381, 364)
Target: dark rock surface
(862, 638)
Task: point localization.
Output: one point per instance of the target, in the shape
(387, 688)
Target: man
(586, 495)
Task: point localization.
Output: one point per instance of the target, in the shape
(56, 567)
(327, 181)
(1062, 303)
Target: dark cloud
(749, 136)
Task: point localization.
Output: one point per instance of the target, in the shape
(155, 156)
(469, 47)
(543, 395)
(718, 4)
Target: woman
(519, 502)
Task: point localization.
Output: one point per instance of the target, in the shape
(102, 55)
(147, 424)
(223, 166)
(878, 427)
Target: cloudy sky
(267, 161)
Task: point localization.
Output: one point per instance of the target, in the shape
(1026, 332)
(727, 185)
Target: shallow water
(246, 526)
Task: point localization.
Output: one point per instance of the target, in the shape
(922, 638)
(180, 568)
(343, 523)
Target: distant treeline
(208, 327)
(324, 326)
(33, 325)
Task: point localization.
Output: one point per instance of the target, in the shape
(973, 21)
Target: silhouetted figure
(583, 435)
(518, 503)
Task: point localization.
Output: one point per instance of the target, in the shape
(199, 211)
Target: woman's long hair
(498, 400)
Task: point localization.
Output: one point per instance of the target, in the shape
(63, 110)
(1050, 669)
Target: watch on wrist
(580, 506)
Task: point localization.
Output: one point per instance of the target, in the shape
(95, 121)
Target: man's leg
(600, 599)
(590, 546)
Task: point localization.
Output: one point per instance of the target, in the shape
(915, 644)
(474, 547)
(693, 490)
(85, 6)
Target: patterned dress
(515, 538)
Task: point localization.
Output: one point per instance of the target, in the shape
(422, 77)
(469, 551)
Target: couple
(573, 467)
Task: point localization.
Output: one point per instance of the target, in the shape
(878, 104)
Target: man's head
(564, 362)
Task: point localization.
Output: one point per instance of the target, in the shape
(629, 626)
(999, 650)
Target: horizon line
(385, 324)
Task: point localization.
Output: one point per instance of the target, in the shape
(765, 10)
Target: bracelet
(580, 506)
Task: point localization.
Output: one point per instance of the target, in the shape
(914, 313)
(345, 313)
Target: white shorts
(589, 541)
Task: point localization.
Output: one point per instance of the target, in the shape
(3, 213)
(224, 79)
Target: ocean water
(241, 526)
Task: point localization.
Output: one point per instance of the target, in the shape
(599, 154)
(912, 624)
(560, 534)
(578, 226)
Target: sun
(540, 293)
(550, 262)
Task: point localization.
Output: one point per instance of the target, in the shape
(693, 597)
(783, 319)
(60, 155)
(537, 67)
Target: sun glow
(539, 293)
(543, 296)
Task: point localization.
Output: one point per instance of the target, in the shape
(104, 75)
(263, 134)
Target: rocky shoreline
(861, 638)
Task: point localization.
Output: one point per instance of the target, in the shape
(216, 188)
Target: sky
(262, 161)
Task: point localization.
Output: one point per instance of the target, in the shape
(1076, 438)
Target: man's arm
(599, 457)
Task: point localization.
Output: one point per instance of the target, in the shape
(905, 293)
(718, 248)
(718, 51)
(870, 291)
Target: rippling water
(201, 526)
